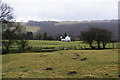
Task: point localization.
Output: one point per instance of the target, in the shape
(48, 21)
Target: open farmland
(61, 64)
(45, 43)
(50, 46)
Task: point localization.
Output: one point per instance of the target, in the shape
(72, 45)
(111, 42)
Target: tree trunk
(104, 45)
(98, 45)
(90, 45)
(7, 48)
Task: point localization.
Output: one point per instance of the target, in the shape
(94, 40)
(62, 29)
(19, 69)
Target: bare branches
(98, 35)
(5, 12)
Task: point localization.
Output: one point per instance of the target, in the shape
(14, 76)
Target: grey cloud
(64, 9)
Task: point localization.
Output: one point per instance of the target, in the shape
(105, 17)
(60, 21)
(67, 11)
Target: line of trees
(96, 35)
(44, 36)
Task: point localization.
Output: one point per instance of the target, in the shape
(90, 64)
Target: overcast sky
(64, 10)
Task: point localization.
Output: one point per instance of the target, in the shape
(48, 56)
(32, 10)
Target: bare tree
(98, 35)
(105, 37)
(85, 36)
(12, 32)
(6, 16)
(5, 12)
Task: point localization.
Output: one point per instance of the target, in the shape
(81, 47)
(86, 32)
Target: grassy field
(43, 43)
(61, 64)
(78, 44)
(50, 46)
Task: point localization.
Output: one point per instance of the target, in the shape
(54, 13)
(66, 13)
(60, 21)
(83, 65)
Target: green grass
(43, 43)
(99, 64)
(49, 46)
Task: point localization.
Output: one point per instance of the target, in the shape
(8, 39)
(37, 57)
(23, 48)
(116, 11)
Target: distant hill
(73, 28)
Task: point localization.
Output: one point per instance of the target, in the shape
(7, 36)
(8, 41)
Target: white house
(67, 38)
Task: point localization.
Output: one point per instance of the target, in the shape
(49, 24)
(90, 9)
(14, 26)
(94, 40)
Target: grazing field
(43, 43)
(62, 64)
(72, 44)
(50, 46)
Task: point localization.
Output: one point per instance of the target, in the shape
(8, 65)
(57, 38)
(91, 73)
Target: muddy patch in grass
(72, 72)
(48, 69)
(25, 71)
(77, 55)
(43, 55)
(22, 67)
(74, 58)
(83, 59)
